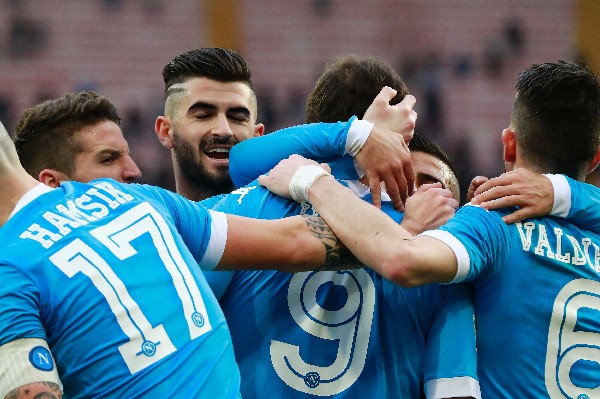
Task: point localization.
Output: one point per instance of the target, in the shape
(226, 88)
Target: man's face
(208, 119)
(429, 169)
(104, 153)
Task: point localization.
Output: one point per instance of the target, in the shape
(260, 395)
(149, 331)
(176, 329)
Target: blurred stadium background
(458, 57)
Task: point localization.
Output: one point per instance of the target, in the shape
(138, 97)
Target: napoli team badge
(41, 359)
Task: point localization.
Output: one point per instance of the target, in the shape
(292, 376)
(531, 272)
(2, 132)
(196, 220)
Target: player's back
(100, 272)
(538, 314)
(347, 333)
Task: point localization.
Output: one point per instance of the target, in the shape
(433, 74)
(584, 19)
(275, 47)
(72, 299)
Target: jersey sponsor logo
(347, 328)
(40, 358)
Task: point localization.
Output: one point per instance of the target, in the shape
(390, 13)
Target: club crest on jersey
(41, 359)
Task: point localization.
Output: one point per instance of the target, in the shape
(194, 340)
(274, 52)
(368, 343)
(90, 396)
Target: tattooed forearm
(337, 256)
(36, 390)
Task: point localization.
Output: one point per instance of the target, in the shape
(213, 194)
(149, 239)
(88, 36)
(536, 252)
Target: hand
(278, 179)
(385, 156)
(531, 192)
(400, 118)
(475, 183)
(428, 208)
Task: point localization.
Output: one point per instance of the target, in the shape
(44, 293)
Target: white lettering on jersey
(567, 249)
(349, 328)
(75, 213)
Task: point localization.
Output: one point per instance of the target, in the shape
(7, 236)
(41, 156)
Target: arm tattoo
(337, 256)
(36, 390)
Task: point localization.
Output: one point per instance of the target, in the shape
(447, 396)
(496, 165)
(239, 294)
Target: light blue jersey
(537, 295)
(349, 334)
(101, 272)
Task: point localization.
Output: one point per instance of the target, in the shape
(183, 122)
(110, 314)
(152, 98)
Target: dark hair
(222, 65)
(424, 144)
(45, 133)
(556, 116)
(348, 87)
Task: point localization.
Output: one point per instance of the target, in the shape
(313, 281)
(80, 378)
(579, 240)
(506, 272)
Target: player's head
(432, 165)
(210, 105)
(348, 86)
(74, 137)
(555, 119)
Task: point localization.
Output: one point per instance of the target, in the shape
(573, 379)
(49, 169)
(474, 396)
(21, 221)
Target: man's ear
(509, 143)
(162, 127)
(259, 129)
(594, 162)
(52, 178)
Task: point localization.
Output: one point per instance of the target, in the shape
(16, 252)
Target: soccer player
(210, 106)
(350, 333)
(536, 282)
(102, 295)
(74, 137)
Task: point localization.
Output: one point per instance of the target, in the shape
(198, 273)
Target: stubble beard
(195, 171)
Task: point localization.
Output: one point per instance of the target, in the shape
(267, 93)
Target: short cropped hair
(424, 144)
(222, 65)
(46, 134)
(556, 116)
(348, 87)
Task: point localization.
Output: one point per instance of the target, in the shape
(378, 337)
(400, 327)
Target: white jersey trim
(30, 196)
(358, 133)
(562, 195)
(218, 239)
(460, 252)
(26, 361)
(452, 387)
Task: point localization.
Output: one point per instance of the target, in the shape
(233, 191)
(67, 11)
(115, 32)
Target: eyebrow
(201, 105)
(433, 178)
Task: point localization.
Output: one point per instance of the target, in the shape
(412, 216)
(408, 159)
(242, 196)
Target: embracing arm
(373, 237)
(540, 195)
(291, 244)
(379, 152)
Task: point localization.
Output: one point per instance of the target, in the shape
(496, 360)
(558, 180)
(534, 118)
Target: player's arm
(36, 390)
(380, 154)
(539, 195)
(374, 238)
(28, 370)
(291, 244)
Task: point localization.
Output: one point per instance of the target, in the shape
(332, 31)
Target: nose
(131, 172)
(221, 127)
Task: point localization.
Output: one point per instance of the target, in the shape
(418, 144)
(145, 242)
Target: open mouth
(217, 153)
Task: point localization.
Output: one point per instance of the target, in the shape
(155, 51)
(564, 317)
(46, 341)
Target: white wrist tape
(303, 179)
(357, 136)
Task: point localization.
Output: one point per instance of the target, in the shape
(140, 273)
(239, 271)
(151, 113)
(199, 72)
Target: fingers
(263, 180)
(515, 216)
(375, 188)
(477, 182)
(386, 94)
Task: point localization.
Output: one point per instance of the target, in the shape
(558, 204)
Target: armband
(26, 361)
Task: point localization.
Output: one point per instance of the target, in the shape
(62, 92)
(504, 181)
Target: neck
(12, 191)
(193, 192)
(520, 163)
